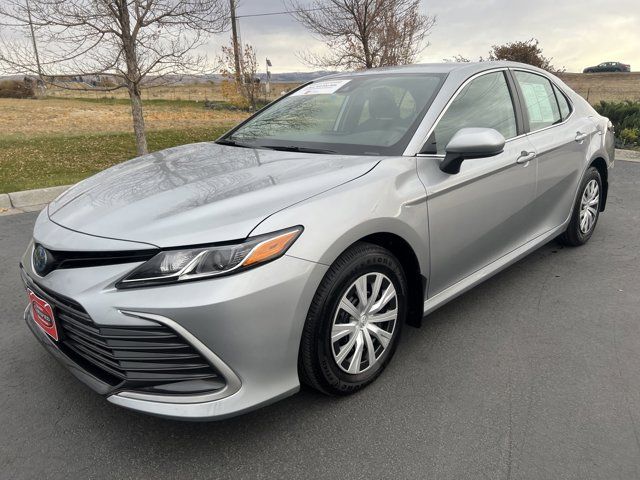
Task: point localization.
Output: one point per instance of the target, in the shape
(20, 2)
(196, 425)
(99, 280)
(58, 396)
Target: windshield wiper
(292, 148)
(233, 143)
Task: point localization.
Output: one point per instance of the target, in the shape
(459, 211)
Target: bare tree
(364, 34)
(133, 41)
(247, 84)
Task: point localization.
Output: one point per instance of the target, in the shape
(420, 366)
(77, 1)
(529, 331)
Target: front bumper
(247, 325)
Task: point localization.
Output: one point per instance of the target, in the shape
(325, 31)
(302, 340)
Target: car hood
(199, 193)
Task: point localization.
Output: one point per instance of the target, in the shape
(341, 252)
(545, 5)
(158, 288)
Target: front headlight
(170, 266)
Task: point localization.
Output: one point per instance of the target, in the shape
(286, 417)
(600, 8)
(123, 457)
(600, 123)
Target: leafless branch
(364, 33)
(129, 41)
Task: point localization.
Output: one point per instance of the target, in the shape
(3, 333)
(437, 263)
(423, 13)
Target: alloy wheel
(364, 323)
(589, 205)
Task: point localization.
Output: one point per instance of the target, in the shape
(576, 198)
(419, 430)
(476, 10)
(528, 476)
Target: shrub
(625, 116)
(17, 89)
(231, 94)
(629, 136)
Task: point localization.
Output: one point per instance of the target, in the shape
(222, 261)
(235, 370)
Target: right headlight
(171, 266)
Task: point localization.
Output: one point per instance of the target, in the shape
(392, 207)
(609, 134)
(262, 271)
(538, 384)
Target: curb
(5, 201)
(29, 200)
(628, 155)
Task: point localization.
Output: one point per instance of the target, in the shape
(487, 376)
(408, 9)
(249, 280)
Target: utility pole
(234, 40)
(41, 85)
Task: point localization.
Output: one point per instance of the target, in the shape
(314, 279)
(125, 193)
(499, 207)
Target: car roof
(463, 68)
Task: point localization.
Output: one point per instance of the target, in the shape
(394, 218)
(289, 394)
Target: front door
(483, 212)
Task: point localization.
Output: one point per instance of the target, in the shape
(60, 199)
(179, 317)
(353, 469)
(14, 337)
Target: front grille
(59, 259)
(145, 358)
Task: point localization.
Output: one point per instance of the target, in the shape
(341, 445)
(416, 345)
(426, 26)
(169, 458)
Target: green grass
(47, 161)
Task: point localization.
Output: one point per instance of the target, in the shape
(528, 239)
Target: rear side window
(483, 103)
(539, 99)
(565, 108)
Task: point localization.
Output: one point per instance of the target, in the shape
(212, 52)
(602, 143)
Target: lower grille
(144, 358)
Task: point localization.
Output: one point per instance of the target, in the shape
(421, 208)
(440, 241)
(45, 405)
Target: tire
(579, 233)
(323, 363)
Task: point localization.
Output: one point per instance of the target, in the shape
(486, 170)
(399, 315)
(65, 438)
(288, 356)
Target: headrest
(382, 105)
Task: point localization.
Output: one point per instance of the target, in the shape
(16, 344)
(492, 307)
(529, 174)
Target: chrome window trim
(233, 382)
(479, 74)
(452, 99)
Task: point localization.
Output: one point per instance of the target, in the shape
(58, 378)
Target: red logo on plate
(43, 315)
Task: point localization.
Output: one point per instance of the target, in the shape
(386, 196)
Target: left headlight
(170, 266)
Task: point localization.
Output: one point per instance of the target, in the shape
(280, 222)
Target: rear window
(565, 106)
(540, 100)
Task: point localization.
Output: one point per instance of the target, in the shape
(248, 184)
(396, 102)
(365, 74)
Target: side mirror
(471, 143)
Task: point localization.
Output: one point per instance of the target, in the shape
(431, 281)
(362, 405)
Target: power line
(286, 12)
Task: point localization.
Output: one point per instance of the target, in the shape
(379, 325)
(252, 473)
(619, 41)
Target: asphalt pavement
(535, 374)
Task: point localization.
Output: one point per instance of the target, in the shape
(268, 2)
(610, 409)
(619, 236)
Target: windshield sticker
(321, 88)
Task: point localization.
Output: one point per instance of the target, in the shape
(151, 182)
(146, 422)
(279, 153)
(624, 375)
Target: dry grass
(198, 92)
(595, 87)
(58, 141)
(27, 118)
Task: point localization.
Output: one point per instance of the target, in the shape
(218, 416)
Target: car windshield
(358, 115)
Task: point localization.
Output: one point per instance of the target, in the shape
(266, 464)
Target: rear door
(481, 213)
(559, 139)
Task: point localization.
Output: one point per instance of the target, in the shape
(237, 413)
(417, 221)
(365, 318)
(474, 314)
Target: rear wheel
(354, 321)
(585, 211)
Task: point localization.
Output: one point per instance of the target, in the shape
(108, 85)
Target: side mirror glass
(470, 143)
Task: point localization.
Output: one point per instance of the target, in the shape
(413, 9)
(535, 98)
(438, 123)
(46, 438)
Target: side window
(484, 103)
(539, 99)
(565, 107)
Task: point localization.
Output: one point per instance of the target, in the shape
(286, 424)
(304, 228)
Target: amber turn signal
(272, 248)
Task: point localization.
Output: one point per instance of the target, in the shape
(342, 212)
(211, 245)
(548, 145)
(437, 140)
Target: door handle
(525, 157)
(581, 136)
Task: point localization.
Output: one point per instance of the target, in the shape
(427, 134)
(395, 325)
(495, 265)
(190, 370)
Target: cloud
(576, 33)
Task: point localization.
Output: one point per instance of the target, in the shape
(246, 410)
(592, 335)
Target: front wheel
(585, 211)
(354, 321)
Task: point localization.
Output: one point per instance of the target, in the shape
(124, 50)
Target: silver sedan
(206, 280)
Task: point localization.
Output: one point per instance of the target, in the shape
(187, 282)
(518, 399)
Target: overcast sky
(576, 33)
